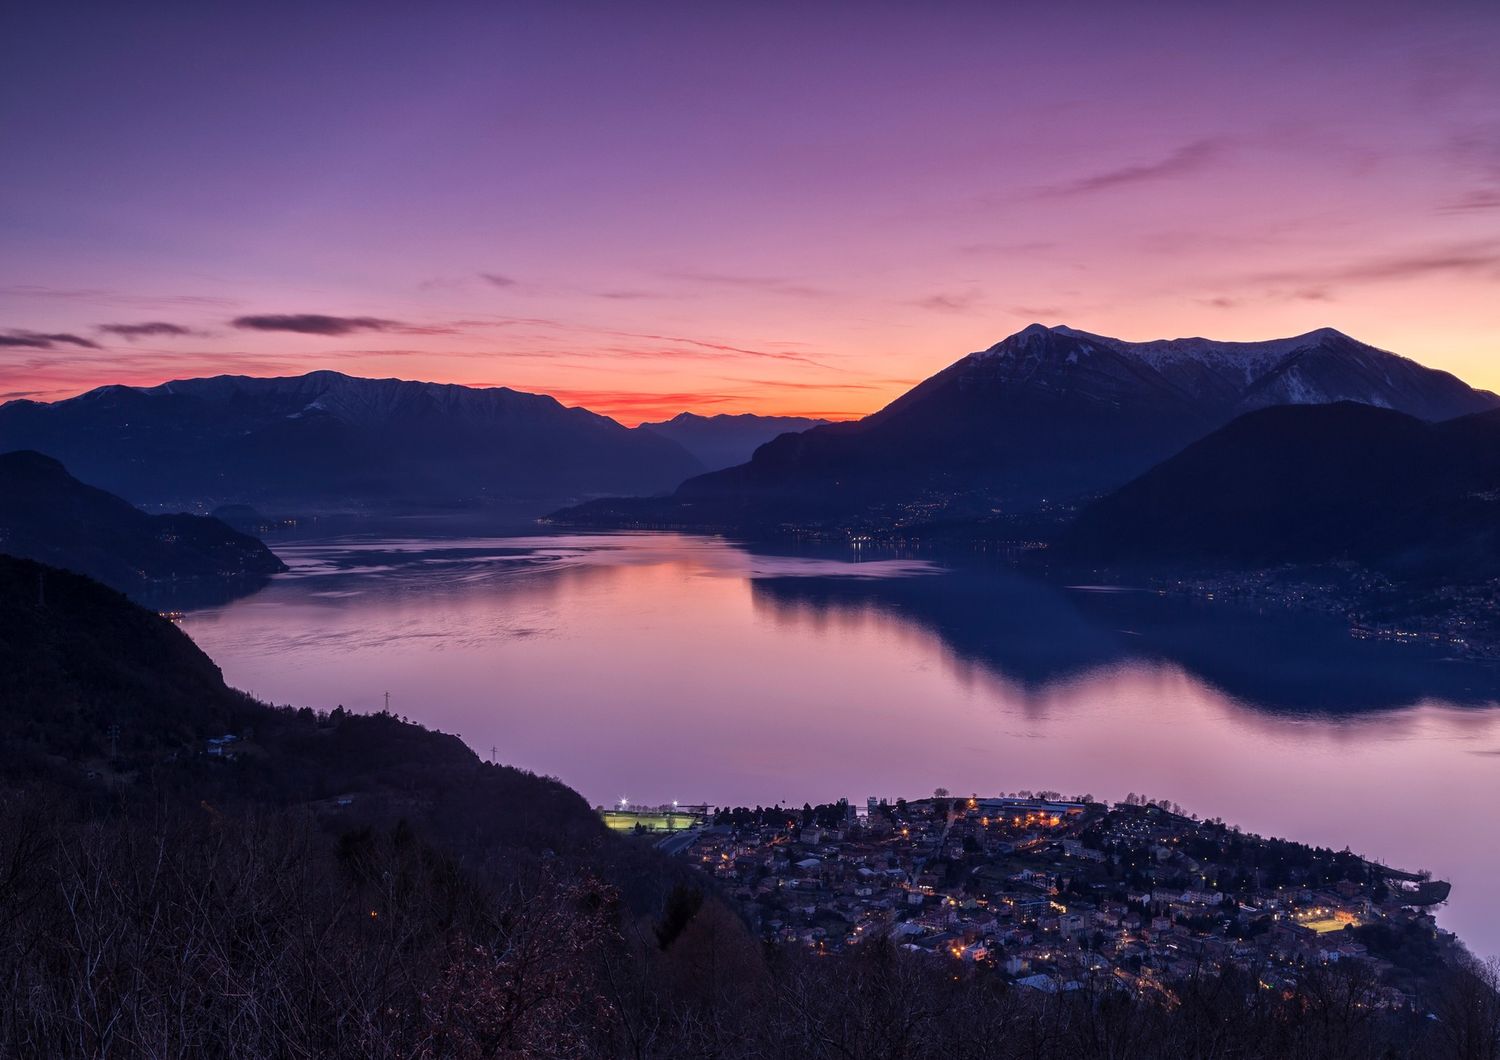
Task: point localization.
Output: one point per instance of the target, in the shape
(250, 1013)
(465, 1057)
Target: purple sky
(732, 207)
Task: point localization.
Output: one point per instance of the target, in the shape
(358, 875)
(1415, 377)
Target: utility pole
(387, 702)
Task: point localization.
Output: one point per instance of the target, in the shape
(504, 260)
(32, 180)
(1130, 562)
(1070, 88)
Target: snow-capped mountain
(1051, 414)
(1319, 367)
(327, 441)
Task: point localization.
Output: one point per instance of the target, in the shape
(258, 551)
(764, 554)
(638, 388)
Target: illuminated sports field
(651, 821)
(1329, 924)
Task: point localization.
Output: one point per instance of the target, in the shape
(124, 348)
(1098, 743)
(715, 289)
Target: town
(1061, 894)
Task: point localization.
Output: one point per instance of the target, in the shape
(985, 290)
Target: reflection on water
(1035, 634)
(664, 667)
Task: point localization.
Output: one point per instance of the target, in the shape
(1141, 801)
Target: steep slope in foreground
(1047, 415)
(331, 885)
(96, 684)
(48, 515)
(79, 659)
(1314, 484)
(331, 442)
(723, 441)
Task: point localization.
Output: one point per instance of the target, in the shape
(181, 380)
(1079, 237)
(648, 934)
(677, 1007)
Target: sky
(798, 208)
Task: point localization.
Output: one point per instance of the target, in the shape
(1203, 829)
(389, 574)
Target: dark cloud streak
(769, 284)
(313, 323)
(318, 324)
(1465, 258)
(151, 329)
(36, 340)
(1189, 158)
(957, 302)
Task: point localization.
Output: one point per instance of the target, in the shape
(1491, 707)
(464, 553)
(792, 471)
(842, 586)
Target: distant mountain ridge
(329, 441)
(726, 440)
(49, 516)
(1046, 415)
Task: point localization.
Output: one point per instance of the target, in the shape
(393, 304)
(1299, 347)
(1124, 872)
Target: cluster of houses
(1060, 895)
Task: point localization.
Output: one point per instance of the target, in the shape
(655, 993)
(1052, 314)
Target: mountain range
(50, 516)
(723, 441)
(1047, 415)
(331, 442)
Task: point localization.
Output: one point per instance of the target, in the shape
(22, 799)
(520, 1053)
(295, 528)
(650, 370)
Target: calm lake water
(657, 667)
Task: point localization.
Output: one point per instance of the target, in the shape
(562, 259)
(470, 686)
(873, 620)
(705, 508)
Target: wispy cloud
(1037, 312)
(795, 384)
(631, 296)
(1471, 258)
(37, 340)
(707, 348)
(1475, 155)
(1189, 158)
(720, 347)
(951, 301)
(1002, 248)
(110, 297)
(150, 329)
(496, 279)
(769, 284)
(1481, 199)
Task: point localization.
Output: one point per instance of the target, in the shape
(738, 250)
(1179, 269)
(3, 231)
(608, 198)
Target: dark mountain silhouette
(724, 441)
(96, 682)
(1047, 415)
(48, 515)
(79, 658)
(326, 442)
(1314, 484)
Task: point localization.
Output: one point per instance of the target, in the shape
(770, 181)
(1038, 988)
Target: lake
(657, 667)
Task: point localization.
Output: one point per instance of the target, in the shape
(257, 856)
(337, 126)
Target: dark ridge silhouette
(325, 442)
(96, 684)
(1314, 484)
(48, 515)
(723, 441)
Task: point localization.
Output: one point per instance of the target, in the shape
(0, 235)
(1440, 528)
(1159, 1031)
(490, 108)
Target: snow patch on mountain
(1317, 367)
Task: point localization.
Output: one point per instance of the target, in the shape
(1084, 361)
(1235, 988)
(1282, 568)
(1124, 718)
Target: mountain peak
(1324, 334)
(1037, 330)
(30, 460)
